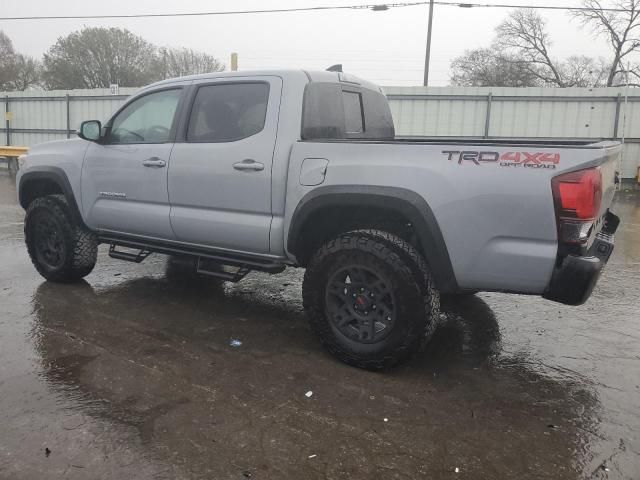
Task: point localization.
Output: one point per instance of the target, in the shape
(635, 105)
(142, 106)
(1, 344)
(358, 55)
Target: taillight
(577, 197)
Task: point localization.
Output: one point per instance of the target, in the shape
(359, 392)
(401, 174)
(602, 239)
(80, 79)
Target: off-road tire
(80, 245)
(418, 302)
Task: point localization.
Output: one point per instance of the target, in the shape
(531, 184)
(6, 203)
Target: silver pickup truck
(250, 171)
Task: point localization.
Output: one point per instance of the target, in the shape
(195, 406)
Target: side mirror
(90, 130)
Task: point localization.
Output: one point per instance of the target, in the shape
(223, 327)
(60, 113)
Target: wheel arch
(403, 204)
(48, 180)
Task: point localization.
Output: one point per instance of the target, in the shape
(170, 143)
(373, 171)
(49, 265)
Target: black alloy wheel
(360, 304)
(370, 298)
(48, 242)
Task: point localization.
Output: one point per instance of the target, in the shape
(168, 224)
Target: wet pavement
(143, 372)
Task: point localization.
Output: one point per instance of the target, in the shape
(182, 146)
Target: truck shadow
(155, 353)
(469, 332)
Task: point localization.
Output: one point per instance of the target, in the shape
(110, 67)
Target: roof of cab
(311, 76)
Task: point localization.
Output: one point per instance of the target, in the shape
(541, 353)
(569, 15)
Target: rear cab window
(353, 113)
(334, 110)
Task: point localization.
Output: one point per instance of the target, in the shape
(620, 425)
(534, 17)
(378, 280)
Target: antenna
(335, 68)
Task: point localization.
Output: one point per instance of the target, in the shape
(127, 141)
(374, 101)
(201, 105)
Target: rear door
(220, 172)
(124, 178)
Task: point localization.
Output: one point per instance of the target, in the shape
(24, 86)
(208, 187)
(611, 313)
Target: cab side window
(148, 119)
(228, 112)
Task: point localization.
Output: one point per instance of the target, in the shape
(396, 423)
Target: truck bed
(492, 198)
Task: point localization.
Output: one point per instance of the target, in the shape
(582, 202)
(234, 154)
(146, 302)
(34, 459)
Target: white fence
(541, 113)
(38, 116)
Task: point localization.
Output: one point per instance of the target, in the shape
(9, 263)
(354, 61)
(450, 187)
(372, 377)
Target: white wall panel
(564, 113)
(582, 113)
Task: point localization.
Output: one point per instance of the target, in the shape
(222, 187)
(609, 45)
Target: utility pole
(428, 52)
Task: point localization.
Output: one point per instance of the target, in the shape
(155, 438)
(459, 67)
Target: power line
(532, 7)
(374, 7)
(228, 12)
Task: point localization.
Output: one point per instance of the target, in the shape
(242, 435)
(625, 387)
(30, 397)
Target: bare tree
(619, 28)
(98, 57)
(583, 71)
(523, 48)
(17, 71)
(26, 72)
(524, 35)
(490, 67)
(178, 62)
(6, 46)
(7, 54)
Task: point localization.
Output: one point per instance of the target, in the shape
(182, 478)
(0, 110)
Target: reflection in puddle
(153, 354)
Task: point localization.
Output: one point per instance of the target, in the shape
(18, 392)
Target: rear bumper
(575, 278)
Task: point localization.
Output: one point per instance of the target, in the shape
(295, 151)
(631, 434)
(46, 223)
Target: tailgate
(604, 157)
(586, 228)
(609, 167)
(608, 162)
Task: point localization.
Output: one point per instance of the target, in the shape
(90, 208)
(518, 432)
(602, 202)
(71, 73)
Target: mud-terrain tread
(82, 244)
(405, 261)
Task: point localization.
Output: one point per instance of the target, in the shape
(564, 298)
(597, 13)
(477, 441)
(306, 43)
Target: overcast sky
(385, 47)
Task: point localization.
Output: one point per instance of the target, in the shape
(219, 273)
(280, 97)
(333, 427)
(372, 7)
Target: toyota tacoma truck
(246, 171)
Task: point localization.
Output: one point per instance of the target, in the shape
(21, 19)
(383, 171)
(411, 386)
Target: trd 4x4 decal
(509, 159)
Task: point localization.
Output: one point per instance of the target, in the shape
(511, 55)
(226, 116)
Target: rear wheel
(60, 249)
(370, 298)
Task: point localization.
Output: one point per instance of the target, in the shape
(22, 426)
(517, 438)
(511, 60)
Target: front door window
(149, 119)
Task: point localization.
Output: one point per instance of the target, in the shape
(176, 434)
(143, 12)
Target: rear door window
(228, 112)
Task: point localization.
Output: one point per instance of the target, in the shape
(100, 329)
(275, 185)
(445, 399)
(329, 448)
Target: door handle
(248, 165)
(154, 162)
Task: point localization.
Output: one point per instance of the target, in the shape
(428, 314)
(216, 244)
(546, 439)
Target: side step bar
(128, 256)
(206, 267)
(208, 261)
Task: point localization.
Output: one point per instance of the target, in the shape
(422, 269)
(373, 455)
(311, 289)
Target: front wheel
(370, 298)
(60, 249)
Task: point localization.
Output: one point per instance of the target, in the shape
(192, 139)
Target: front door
(124, 178)
(220, 172)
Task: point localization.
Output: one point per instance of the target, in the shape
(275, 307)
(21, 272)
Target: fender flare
(404, 201)
(59, 177)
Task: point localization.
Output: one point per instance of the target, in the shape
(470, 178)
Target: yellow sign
(8, 116)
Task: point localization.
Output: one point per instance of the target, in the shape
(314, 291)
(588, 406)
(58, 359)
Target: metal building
(569, 113)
